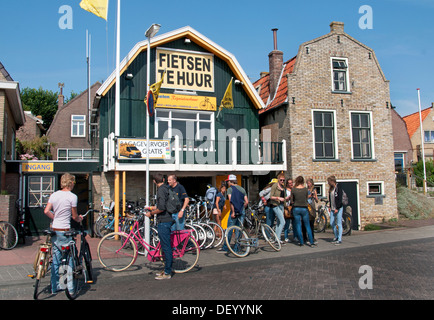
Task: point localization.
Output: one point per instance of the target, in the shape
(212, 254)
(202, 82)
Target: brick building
(11, 118)
(331, 104)
(413, 128)
(403, 149)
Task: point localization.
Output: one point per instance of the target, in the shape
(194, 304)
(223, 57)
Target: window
(324, 135)
(192, 125)
(74, 154)
(40, 189)
(399, 162)
(78, 126)
(340, 75)
(375, 188)
(429, 136)
(361, 131)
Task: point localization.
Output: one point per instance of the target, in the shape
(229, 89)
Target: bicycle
(321, 220)
(240, 239)
(117, 251)
(42, 264)
(76, 267)
(8, 236)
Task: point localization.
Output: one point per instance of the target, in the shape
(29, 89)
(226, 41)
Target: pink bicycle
(117, 251)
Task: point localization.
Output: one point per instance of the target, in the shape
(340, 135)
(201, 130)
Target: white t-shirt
(62, 202)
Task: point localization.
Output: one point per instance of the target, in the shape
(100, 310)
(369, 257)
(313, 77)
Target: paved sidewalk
(16, 264)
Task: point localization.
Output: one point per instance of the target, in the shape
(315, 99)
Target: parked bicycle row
(186, 228)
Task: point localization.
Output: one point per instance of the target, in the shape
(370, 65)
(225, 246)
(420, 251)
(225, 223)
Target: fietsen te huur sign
(185, 70)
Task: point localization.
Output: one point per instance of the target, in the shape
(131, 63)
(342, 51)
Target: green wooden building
(190, 135)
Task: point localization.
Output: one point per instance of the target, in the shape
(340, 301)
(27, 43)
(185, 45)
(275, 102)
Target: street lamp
(151, 32)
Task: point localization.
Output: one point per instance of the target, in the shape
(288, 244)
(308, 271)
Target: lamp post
(151, 32)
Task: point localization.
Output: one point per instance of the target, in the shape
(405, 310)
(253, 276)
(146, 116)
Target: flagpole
(117, 108)
(422, 142)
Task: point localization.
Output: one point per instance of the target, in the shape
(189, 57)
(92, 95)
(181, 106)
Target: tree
(41, 103)
(36, 149)
(418, 172)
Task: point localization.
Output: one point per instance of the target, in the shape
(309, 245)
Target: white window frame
(78, 123)
(322, 186)
(335, 135)
(196, 122)
(347, 77)
(72, 149)
(371, 121)
(381, 183)
(431, 136)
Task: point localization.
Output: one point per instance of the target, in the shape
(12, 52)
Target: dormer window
(340, 75)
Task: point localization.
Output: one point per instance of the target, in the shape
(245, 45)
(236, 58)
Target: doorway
(351, 188)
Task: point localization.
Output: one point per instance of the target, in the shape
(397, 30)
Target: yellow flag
(97, 7)
(155, 88)
(227, 101)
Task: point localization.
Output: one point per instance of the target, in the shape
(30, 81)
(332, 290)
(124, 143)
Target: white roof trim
(12, 89)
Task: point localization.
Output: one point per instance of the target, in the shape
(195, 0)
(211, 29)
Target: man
(238, 200)
(164, 225)
(61, 207)
(183, 198)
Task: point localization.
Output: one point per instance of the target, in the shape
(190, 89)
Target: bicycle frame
(154, 253)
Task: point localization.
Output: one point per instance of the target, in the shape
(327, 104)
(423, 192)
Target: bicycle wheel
(71, 274)
(209, 236)
(201, 234)
(185, 255)
(117, 251)
(42, 266)
(8, 236)
(87, 264)
(346, 224)
(271, 237)
(320, 222)
(219, 233)
(237, 241)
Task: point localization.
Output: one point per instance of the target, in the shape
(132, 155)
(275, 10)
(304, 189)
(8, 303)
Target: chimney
(61, 98)
(275, 60)
(337, 27)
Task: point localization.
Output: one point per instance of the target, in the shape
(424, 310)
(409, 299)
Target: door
(351, 189)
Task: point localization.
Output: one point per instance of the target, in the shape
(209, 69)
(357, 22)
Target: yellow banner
(185, 70)
(37, 167)
(97, 7)
(179, 101)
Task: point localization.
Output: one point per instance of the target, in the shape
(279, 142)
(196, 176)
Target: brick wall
(7, 209)
(311, 85)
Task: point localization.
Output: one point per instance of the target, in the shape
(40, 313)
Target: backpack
(173, 205)
(210, 196)
(237, 200)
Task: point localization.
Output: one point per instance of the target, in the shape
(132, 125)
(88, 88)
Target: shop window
(40, 189)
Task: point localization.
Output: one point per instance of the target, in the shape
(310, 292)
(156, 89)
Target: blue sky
(37, 53)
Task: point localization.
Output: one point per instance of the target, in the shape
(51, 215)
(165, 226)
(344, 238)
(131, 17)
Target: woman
(289, 186)
(312, 199)
(220, 200)
(61, 207)
(299, 196)
(277, 201)
(335, 196)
